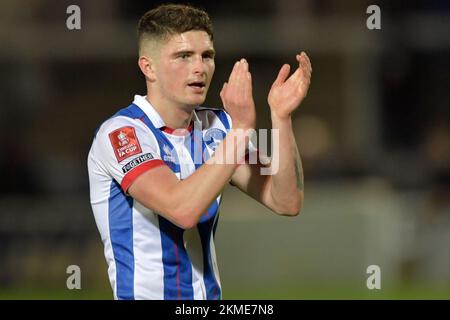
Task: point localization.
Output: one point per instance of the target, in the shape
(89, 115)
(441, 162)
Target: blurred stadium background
(374, 134)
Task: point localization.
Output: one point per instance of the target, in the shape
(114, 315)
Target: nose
(199, 66)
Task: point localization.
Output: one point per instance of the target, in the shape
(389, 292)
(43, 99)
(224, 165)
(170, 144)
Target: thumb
(222, 93)
(282, 75)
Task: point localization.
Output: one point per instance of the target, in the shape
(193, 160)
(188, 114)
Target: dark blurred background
(374, 134)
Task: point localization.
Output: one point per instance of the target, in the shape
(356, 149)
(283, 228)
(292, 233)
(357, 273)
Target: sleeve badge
(125, 143)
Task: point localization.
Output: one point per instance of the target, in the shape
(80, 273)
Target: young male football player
(155, 200)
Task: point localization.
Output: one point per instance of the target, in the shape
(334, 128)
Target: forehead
(190, 40)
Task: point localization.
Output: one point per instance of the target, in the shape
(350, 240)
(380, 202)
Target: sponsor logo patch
(125, 143)
(213, 137)
(168, 154)
(137, 161)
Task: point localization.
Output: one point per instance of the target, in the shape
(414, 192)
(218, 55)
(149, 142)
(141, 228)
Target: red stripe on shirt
(129, 178)
(177, 263)
(178, 132)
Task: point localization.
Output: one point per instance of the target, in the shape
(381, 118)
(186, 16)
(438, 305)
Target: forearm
(194, 195)
(286, 186)
(184, 202)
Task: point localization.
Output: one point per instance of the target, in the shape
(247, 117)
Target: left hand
(237, 96)
(286, 95)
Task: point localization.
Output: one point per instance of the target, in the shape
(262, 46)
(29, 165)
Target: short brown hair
(169, 19)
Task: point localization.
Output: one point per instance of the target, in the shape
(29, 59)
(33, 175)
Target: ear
(146, 64)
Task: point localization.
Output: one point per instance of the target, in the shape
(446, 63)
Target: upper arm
(129, 152)
(126, 148)
(155, 190)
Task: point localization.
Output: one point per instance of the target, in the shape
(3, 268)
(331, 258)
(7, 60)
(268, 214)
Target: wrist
(244, 126)
(277, 118)
(232, 149)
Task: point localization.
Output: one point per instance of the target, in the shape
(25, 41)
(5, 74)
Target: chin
(196, 101)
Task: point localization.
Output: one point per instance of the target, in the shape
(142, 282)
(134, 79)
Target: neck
(173, 115)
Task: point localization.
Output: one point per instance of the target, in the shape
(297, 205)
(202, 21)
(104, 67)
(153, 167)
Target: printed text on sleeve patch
(136, 162)
(125, 143)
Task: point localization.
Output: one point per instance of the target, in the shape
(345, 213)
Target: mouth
(197, 84)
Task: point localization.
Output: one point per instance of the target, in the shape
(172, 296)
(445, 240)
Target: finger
(241, 82)
(248, 85)
(232, 77)
(244, 64)
(304, 87)
(245, 71)
(302, 57)
(308, 63)
(237, 74)
(305, 67)
(223, 91)
(245, 84)
(223, 88)
(305, 62)
(297, 76)
(282, 75)
(242, 69)
(303, 70)
(305, 81)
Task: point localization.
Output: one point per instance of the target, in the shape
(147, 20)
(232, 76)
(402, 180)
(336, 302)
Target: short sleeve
(126, 148)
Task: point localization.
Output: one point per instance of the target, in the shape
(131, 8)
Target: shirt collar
(150, 111)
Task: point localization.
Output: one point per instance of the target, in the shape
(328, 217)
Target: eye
(208, 56)
(184, 56)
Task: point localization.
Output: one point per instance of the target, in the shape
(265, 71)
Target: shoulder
(121, 130)
(116, 123)
(213, 116)
(128, 116)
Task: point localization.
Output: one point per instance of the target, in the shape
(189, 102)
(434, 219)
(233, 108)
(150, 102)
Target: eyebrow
(210, 52)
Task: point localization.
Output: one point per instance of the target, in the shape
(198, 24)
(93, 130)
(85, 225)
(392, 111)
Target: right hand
(237, 97)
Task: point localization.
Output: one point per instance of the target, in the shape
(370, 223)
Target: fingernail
(243, 61)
